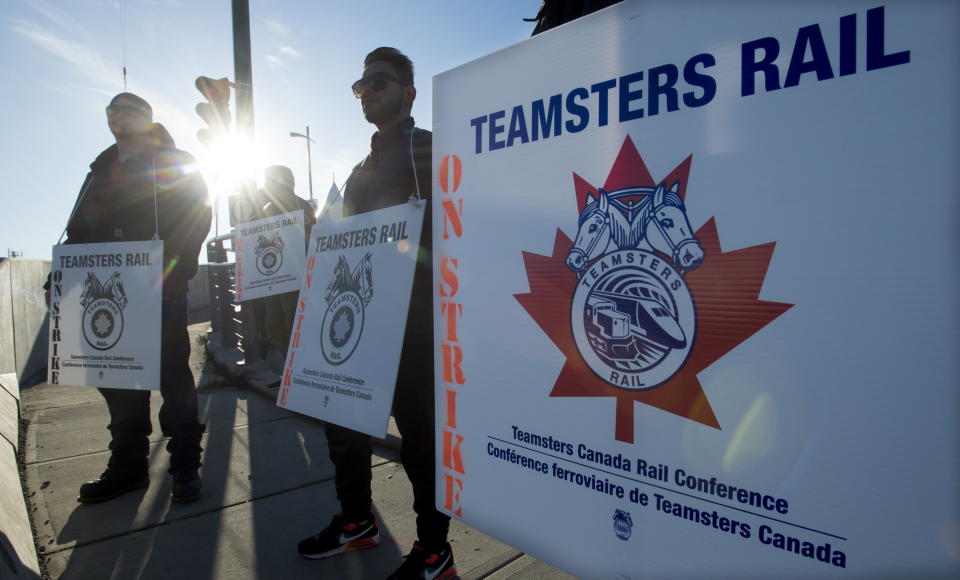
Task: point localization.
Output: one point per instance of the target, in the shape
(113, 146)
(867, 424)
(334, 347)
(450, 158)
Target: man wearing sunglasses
(397, 167)
(141, 186)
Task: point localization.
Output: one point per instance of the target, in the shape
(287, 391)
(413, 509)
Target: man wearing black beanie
(137, 188)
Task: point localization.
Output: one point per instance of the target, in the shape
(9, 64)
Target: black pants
(413, 410)
(279, 313)
(130, 410)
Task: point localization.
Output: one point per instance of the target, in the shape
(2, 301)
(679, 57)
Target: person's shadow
(90, 524)
(148, 535)
(275, 489)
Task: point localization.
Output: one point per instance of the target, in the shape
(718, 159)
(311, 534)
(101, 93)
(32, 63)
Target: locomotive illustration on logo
(103, 305)
(347, 296)
(269, 253)
(632, 314)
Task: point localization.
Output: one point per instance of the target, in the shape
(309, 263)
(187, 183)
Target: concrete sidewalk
(268, 482)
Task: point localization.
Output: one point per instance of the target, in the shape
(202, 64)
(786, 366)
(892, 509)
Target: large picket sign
(105, 310)
(270, 256)
(697, 276)
(348, 333)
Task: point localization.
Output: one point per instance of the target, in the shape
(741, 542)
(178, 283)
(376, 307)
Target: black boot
(112, 483)
(185, 450)
(186, 486)
(126, 470)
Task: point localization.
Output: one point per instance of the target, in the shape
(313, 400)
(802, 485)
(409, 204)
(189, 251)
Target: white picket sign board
(697, 279)
(270, 256)
(347, 336)
(105, 312)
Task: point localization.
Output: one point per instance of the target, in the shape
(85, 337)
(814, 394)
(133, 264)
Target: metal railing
(239, 326)
(224, 318)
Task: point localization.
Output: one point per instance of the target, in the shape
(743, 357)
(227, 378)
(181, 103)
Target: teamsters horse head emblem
(269, 252)
(658, 218)
(638, 302)
(347, 295)
(633, 316)
(103, 305)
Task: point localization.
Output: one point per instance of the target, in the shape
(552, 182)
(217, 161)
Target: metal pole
(243, 71)
(242, 68)
(309, 164)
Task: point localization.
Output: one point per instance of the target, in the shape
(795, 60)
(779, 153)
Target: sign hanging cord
(413, 163)
(156, 212)
(83, 192)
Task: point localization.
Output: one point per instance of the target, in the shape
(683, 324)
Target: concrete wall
(23, 319)
(8, 357)
(18, 555)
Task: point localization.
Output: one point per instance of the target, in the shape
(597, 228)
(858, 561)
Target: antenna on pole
(123, 41)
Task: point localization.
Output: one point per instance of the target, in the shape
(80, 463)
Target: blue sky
(60, 63)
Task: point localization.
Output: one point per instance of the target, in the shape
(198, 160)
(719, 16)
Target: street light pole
(309, 159)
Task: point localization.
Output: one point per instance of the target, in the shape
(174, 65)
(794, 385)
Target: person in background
(280, 309)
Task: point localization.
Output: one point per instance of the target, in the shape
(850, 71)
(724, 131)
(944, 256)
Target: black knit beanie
(135, 101)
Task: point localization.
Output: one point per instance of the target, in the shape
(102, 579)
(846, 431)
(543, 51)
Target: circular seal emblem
(342, 327)
(622, 524)
(102, 324)
(269, 260)
(633, 319)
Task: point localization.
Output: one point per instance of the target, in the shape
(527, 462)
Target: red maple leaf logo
(725, 290)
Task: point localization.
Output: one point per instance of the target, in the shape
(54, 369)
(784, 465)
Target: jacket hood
(159, 140)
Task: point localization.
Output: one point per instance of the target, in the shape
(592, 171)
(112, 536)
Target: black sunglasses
(375, 82)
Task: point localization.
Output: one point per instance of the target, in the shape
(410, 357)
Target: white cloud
(54, 14)
(274, 61)
(291, 51)
(88, 73)
(79, 57)
(277, 27)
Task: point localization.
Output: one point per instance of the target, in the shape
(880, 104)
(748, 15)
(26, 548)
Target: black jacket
(386, 178)
(286, 201)
(123, 201)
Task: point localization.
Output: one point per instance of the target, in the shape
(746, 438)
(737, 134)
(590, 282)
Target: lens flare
(754, 437)
(231, 160)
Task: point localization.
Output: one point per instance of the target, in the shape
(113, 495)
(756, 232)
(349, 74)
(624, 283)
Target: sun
(228, 161)
(230, 164)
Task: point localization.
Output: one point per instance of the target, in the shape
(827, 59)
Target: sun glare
(231, 160)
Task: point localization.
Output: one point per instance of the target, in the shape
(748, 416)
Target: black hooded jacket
(283, 200)
(386, 177)
(159, 190)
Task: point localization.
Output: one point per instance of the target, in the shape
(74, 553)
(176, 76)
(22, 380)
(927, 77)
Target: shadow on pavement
(134, 536)
(294, 450)
(152, 552)
(268, 483)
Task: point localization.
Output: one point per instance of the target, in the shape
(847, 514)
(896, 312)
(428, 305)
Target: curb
(18, 553)
(260, 379)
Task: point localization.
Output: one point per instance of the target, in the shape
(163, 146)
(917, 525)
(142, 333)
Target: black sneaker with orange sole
(341, 536)
(424, 564)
